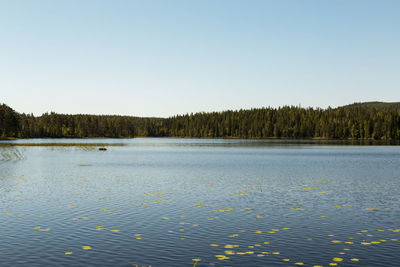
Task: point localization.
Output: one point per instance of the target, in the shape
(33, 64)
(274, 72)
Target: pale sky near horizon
(161, 58)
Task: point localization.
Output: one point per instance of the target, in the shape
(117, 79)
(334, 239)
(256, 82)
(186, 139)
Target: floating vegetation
(195, 261)
(66, 144)
(42, 229)
(10, 154)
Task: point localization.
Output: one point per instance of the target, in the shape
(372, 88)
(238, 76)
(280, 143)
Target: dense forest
(356, 121)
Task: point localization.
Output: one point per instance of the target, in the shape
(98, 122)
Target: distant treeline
(348, 122)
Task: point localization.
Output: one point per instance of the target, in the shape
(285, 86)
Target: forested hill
(375, 104)
(349, 122)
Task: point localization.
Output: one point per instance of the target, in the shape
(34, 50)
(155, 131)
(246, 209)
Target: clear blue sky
(160, 58)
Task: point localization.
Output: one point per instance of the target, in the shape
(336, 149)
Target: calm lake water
(165, 202)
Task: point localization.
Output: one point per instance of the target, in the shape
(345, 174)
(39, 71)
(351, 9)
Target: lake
(198, 202)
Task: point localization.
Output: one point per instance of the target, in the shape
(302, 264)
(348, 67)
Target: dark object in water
(102, 148)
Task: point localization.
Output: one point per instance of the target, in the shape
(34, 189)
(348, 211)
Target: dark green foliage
(9, 125)
(290, 122)
(59, 125)
(350, 122)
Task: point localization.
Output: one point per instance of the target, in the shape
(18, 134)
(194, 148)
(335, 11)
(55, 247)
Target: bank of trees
(9, 123)
(290, 122)
(351, 122)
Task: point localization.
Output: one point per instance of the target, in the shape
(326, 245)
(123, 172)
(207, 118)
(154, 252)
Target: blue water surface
(167, 202)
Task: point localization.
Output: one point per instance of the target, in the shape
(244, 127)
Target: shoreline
(305, 141)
